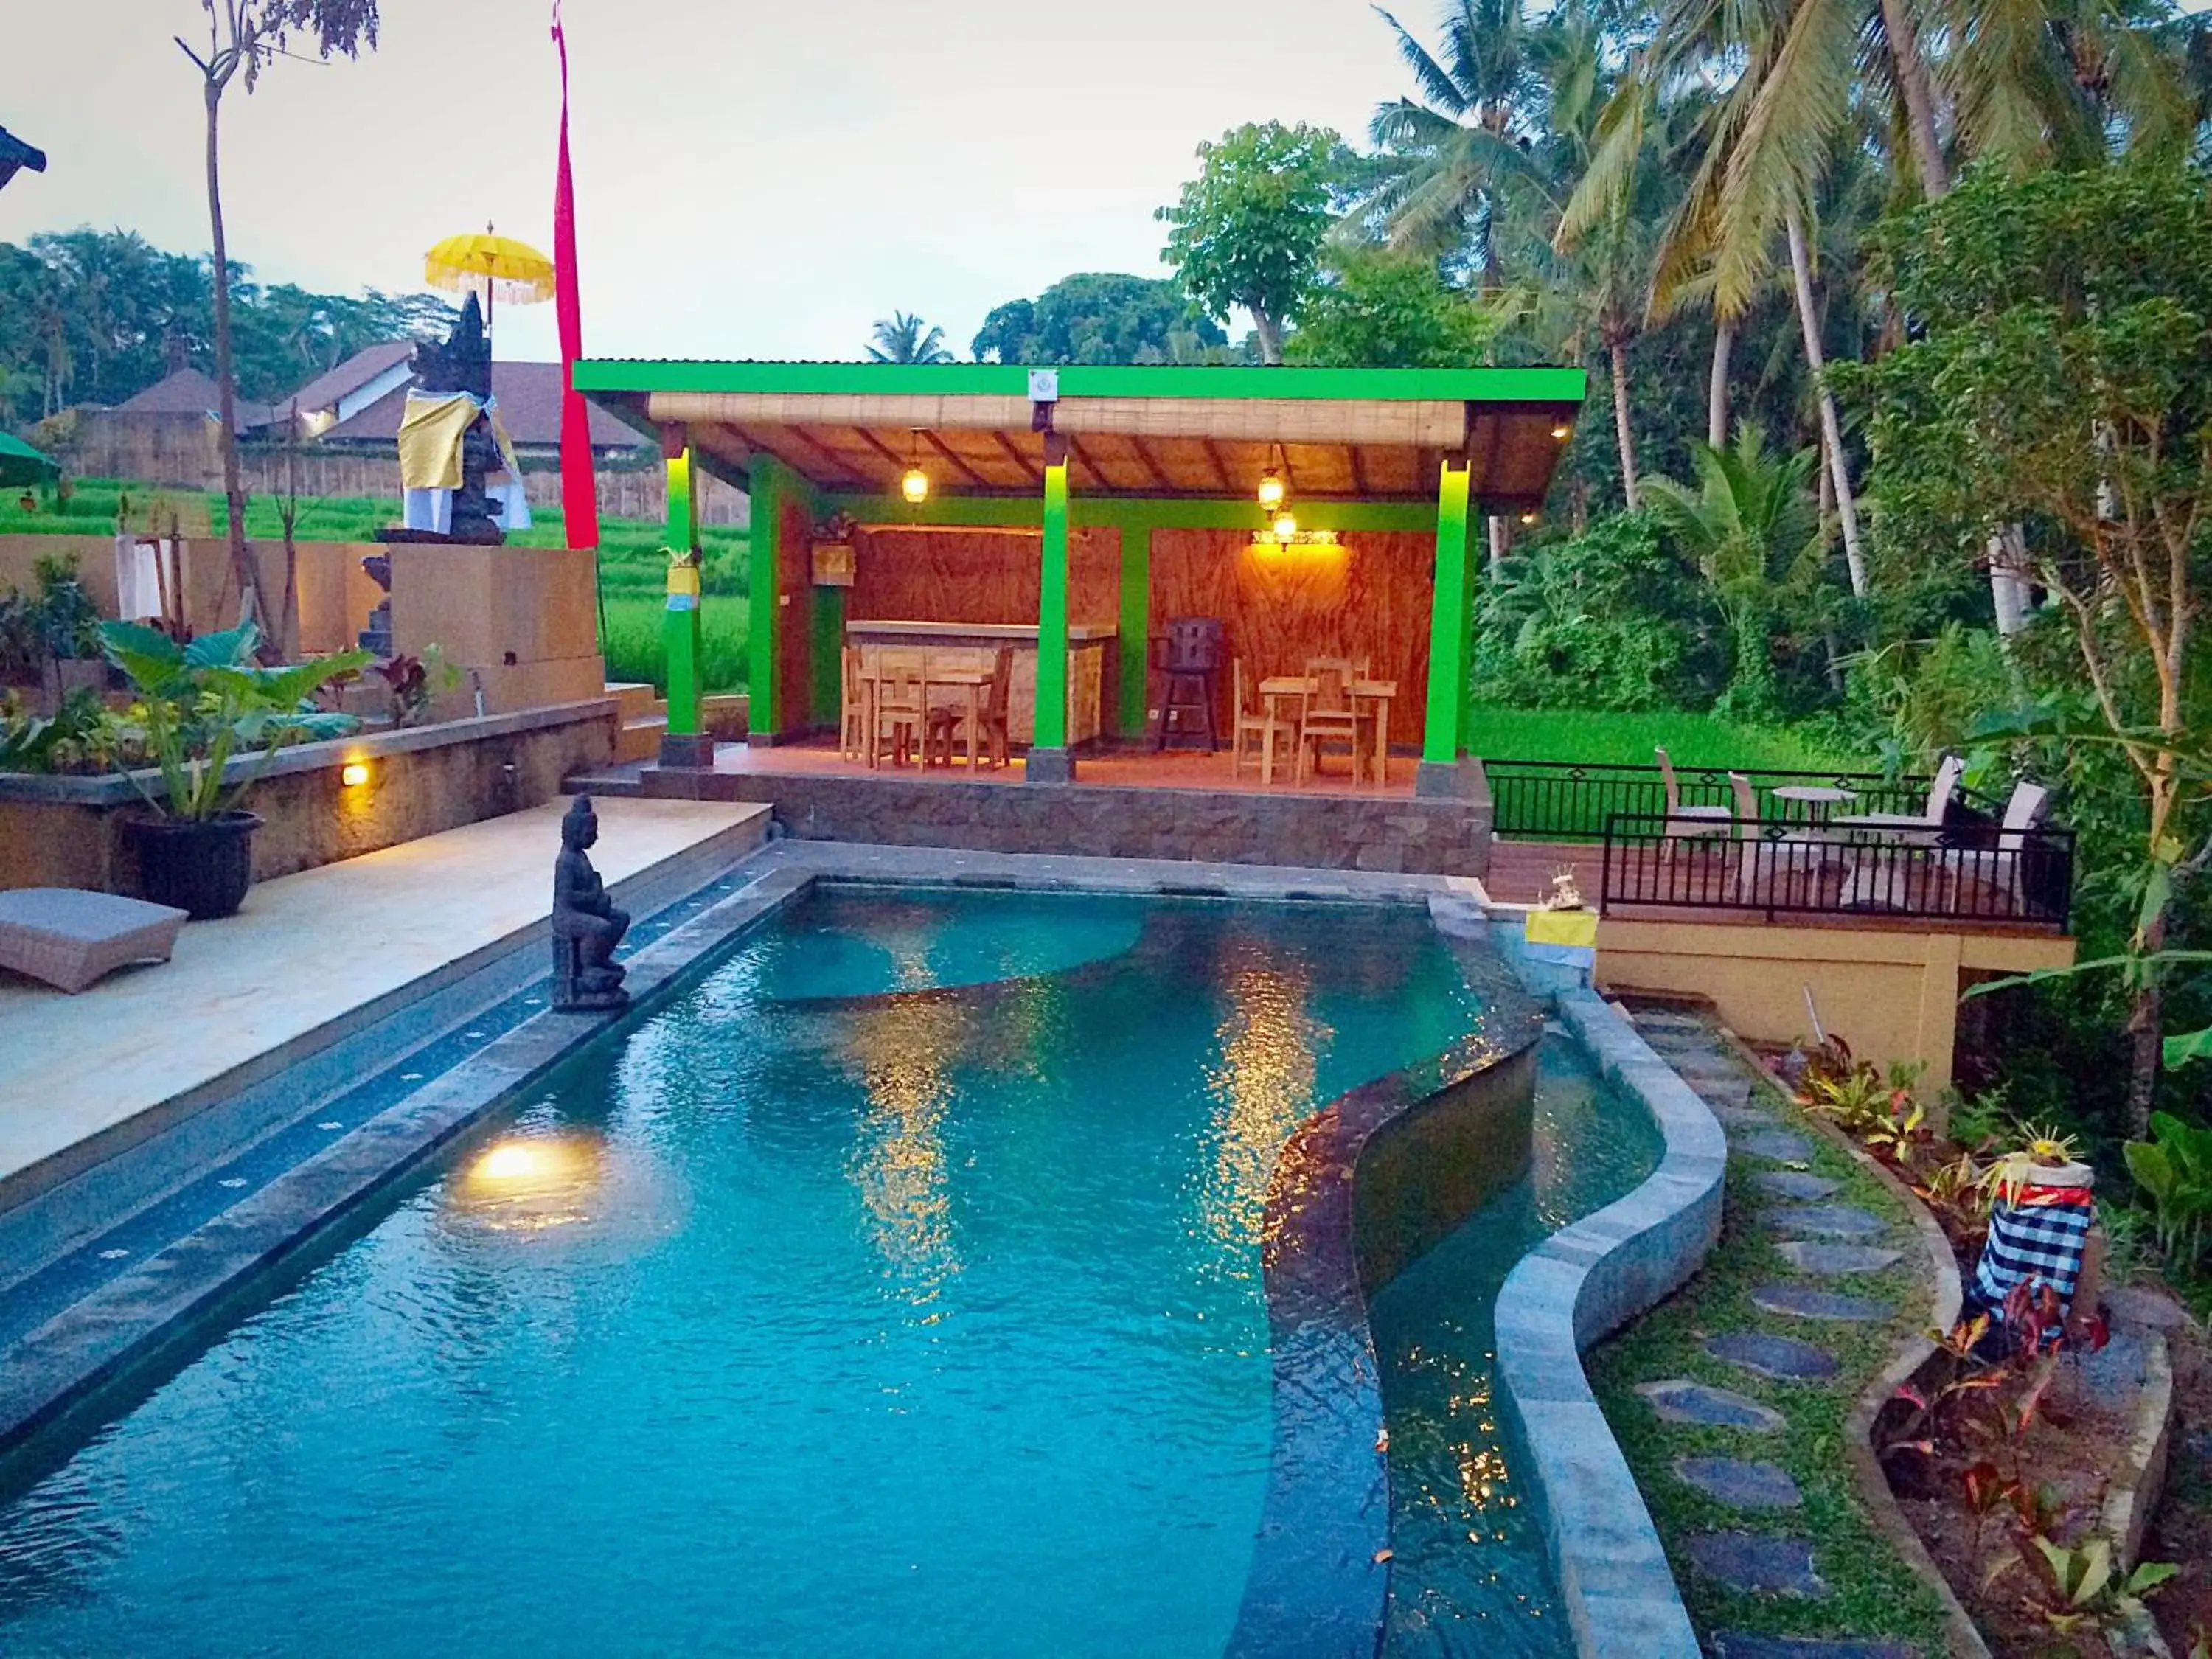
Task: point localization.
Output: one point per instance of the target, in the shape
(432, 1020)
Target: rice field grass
(1594, 737)
(634, 650)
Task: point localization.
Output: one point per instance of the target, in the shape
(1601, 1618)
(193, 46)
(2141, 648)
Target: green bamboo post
(1450, 613)
(763, 706)
(1133, 643)
(1049, 760)
(684, 744)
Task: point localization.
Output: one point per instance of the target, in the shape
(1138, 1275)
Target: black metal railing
(1972, 873)
(1569, 800)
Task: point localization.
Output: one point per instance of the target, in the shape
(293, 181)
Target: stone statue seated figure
(586, 926)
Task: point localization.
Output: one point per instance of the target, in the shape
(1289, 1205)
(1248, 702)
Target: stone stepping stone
(1796, 1184)
(1679, 1400)
(1757, 1564)
(1734, 1644)
(1779, 1144)
(1834, 1260)
(1743, 1117)
(1741, 1484)
(1803, 1302)
(1782, 1358)
(1828, 1221)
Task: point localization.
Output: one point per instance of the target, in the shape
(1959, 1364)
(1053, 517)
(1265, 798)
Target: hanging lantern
(914, 484)
(1286, 526)
(1271, 490)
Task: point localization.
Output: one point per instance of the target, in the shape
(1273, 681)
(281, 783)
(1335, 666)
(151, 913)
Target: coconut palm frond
(1802, 101)
(1437, 85)
(1618, 146)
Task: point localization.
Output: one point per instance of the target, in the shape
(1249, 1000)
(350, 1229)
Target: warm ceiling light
(1271, 490)
(914, 484)
(354, 774)
(1528, 518)
(1286, 526)
(1562, 432)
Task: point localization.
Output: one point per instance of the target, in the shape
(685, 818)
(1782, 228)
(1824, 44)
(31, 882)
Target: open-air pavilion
(1093, 506)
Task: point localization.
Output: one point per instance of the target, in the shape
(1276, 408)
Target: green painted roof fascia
(1563, 386)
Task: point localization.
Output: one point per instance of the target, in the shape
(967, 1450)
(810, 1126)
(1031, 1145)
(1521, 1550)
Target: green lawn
(1691, 740)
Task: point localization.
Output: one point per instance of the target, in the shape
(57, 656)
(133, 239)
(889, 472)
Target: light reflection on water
(928, 1324)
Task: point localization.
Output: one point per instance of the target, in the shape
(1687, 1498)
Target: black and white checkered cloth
(2033, 1242)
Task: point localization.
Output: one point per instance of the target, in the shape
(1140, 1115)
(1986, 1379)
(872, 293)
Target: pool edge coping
(1589, 1278)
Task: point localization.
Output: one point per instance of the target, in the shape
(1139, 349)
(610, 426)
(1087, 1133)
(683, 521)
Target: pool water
(896, 1288)
(1468, 1576)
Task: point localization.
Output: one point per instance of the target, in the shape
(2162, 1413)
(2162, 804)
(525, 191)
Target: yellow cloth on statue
(1562, 927)
(430, 434)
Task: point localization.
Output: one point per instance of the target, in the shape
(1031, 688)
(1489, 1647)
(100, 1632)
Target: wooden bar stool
(1192, 663)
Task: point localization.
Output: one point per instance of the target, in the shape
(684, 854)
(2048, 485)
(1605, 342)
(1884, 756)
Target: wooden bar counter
(1088, 645)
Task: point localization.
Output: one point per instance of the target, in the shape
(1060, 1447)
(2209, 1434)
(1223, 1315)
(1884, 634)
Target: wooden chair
(902, 706)
(1328, 717)
(1254, 720)
(948, 721)
(853, 712)
(1915, 828)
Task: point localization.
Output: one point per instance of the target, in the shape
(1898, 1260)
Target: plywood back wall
(966, 576)
(1368, 597)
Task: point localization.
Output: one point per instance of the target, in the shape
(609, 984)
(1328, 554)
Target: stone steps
(1820, 1239)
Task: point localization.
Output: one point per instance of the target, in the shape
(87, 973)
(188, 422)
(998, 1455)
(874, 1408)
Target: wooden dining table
(970, 681)
(1377, 693)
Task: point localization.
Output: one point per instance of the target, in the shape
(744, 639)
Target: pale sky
(753, 179)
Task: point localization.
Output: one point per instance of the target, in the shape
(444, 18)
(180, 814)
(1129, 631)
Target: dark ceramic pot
(202, 865)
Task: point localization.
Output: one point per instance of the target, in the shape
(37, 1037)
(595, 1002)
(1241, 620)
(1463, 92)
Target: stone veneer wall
(1338, 832)
(65, 831)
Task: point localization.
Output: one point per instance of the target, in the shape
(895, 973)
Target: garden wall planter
(200, 866)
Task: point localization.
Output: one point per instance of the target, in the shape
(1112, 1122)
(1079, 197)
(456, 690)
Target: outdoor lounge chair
(1916, 826)
(1784, 856)
(69, 939)
(1689, 821)
(1998, 867)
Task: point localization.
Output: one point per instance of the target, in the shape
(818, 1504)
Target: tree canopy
(1099, 317)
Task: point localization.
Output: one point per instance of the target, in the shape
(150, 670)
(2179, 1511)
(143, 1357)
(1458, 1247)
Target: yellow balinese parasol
(491, 265)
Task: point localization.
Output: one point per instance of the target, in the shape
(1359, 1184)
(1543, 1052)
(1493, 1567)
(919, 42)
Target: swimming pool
(895, 1288)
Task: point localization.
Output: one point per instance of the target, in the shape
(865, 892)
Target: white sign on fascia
(1044, 385)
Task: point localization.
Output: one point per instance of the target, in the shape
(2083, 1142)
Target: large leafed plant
(205, 704)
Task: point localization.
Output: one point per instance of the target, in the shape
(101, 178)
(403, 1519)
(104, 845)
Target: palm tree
(1455, 156)
(1753, 529)
(905, 338)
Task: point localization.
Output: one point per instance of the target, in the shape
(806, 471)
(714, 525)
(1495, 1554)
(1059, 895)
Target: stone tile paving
(1748, 1545)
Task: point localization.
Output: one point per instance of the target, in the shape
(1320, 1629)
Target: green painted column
(827, 642)
(1052, 627)
(680, 632)
(764, 715)
(1133, 643)
(1450, 619)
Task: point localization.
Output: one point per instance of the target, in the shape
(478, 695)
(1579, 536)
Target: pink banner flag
(580, 504)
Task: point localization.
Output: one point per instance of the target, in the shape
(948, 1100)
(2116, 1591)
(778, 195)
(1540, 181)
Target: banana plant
(204, 703)
(2174, 1169)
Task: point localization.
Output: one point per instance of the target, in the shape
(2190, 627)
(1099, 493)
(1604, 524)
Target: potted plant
(202, 705)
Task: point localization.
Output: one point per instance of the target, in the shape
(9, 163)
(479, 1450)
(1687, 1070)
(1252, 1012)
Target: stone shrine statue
(587, 926)
(449, 399)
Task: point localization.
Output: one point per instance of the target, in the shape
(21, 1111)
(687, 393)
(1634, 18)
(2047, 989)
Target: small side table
(1819, 800)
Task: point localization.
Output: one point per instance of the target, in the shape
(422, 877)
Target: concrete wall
(65, 832)
(335, 593)
(525, 618)
(1892, 995)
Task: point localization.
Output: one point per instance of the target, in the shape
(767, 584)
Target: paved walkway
(306, 950)
(1828, 1248)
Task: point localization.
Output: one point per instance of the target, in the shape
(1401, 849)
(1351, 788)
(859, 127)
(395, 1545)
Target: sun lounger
(69, 939)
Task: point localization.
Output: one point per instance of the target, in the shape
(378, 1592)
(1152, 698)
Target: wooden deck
(1521, 872)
